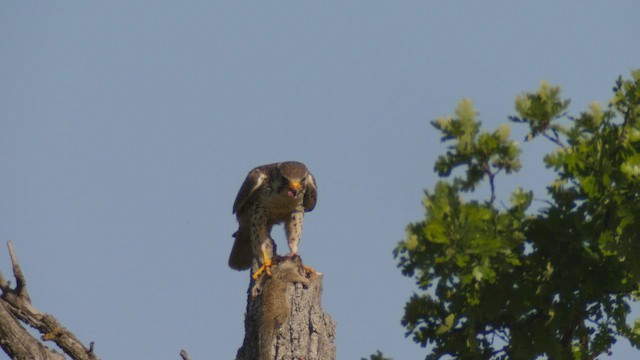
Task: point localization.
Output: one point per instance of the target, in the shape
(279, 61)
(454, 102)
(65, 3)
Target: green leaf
(631, 167)
(636, 328)
(589, 185)
(447, 325)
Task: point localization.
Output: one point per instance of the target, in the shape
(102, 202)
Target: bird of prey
(271, 194)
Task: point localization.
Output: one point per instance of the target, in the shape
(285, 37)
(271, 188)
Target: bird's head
(290, 178)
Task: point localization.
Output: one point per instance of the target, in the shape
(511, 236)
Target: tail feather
(241, 254)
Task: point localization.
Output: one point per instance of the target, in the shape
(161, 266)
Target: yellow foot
(266, 266)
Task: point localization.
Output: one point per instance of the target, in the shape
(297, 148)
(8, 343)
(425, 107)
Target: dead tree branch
(16, 309)
(184, 355)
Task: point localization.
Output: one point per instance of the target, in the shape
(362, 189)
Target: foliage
(377, 356)
(498, 282)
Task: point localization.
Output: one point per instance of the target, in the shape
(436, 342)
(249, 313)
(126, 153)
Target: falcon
(271, 194)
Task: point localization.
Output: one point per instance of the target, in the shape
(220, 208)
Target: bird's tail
(241, 254)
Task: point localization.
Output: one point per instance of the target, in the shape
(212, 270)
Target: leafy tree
(504, 281)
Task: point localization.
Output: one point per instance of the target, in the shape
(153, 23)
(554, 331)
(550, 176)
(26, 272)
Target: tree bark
(285, 321)
(16, 340)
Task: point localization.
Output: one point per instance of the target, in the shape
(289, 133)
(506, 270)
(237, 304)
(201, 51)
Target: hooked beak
(295, 187)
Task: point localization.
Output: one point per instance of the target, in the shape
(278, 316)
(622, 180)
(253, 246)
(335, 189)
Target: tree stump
(285, 321)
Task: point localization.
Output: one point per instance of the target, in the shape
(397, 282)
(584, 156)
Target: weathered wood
(16, 341)
(16, 310)
(285, 321)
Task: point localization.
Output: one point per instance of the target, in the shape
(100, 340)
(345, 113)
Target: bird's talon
(266, 266)
(257, 274)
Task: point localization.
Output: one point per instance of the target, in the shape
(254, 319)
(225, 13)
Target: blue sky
(127, 127)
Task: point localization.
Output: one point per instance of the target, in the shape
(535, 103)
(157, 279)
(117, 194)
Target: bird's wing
(311, 194)
(251, 184)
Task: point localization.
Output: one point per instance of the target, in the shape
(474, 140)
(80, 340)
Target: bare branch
(18, 304)
(184, 355)
(16, 340)
(4, 284)
(21, 282)
(554, 139)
